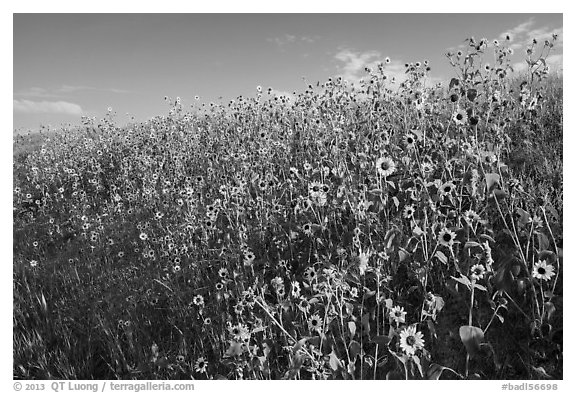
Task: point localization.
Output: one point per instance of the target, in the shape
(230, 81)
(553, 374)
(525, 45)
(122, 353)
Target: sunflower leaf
(380, 340)
(492, 179)
(335, 363)
(471, 337)
(440, 255)
(352, 328)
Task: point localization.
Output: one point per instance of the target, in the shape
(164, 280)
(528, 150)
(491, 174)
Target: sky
(70, 65)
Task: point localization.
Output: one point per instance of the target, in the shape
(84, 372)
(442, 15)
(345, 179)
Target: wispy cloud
(55, 107)
(73, 89)
(555, 62)
(525, 32)
(63, 91)
(288, 39)
(352, 65)
(36, 92)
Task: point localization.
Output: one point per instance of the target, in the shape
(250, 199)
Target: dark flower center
(447, 237)
(410, 340)
(541, 270)
(459, 116)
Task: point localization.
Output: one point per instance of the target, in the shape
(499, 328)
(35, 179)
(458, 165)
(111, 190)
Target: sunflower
(409, 211)
(304, 305)
(200, 365)
(446, 237)
(385, 166)
(477, 272)
(198, 300)
(427, 168)
(314, 188)
(315, 323)
(411, 340)
(409, 141)
(543, 271)
(397, 314)
(310, 274)
(446, 188)
(249, 258)
(460, 117)
(471, 216)
(295, 289)
(223, 273)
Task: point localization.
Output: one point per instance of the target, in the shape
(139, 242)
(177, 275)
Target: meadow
(372, 231)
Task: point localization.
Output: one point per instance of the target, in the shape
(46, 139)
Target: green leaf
(440, 255)
(235, 349)
(417, 231)
(335, 363)
(380, 340)
(352, 328)
(403, 254)
(492, 179)
(355, 349)
(471, 337)
(416, 360)
(434, 371)
(524, 216)
(543, 242)
(486, 237)
(472, 244)
(366, 323)
(471, 94)
(549, 309)
(463, 280)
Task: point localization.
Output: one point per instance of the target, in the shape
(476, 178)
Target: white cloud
(72, 89)
(287, 39)
(554, 61)
(57, 107)
(36, 92)
(40, 92)
(521, 29)
(352, 65)
(523, 34)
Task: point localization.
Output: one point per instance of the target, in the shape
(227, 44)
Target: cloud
(554, 61)
(72, 89)
(523, 34)
(518, 30)
(352, 65)
(62, 91)
(288, 39)
(55, 107)
(36, 92)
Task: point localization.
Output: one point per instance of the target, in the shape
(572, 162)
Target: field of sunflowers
(380, 230)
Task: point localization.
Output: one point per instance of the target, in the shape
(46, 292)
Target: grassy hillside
(383, 231)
